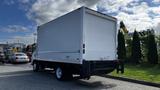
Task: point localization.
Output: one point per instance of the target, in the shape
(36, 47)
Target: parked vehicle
(81, 42)
(2, 57)
(18, 58)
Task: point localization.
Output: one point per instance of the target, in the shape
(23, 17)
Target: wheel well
(33, 62)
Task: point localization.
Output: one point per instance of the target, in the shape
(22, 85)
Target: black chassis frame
(85, 70)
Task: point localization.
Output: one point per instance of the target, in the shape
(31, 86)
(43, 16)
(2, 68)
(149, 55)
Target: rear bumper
(97, 67)
(20, 60)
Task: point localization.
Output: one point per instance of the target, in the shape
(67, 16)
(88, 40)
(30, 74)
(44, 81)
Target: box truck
(82, 42)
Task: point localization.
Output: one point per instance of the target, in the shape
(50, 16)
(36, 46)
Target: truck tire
(59, 73)
(63, 73)
(3, 62)
(35, 67)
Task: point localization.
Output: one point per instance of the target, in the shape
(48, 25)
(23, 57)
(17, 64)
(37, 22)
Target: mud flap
(85, 71)
(120, 67)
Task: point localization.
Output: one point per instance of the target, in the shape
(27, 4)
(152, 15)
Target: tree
(27, 48)
(121, 50)
(128, 48)
(136, 48)
(152, 49)
(144, 47)
(123, 27)
(33, 47)
(158, 45)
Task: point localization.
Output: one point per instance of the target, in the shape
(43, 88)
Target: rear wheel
(62, 73)
(59, 73)
(35, 67)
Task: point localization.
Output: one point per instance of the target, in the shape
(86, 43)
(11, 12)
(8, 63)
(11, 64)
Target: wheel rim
(34, 66)
(59, 73)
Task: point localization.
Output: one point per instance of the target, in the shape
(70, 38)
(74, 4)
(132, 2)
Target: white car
(19, 57)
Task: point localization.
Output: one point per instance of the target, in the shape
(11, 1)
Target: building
(15, 47)
(3, 47)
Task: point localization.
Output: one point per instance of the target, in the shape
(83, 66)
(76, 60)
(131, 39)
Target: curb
(133, 80)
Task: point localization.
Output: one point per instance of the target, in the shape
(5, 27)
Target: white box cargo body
(82, 40)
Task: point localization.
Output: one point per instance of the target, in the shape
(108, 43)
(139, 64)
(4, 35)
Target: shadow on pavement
(16, 72)
(29, 80)
(95, 84)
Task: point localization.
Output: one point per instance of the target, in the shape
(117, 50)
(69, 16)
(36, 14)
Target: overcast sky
(19, 18)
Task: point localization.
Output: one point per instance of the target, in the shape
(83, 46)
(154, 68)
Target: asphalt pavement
(21, 77)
